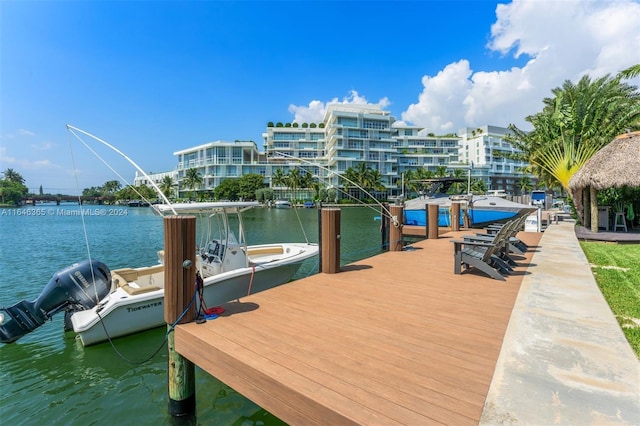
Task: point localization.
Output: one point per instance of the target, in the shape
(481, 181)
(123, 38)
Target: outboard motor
(80, 286)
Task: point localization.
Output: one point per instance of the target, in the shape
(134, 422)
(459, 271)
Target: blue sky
(154, 77)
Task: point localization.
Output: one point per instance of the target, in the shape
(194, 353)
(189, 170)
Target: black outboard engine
(80, 286)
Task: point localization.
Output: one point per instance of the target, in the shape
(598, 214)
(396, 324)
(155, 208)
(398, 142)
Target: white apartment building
(350, 135)
(290, 147)
(484, 146)
(219, 160)
(415, 149)
(356, 134)
(157, 178)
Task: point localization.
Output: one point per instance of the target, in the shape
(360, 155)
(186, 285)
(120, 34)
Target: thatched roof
(614, 166)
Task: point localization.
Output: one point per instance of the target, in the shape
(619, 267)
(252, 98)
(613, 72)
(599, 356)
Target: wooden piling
(466, 220)
(330, 240)
(395, 228)
(593, 196)
(384, 226)
(179, 291)
(455, 216)
(320, 237)
(432, 221)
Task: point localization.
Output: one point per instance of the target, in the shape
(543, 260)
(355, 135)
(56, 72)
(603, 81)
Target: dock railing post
(319, 236)
(179, 292)
(432, 221)
(330, 240)
(396, 241)
(384, 226)
(455, 216)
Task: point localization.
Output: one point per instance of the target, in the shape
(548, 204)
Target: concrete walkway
(564, 359)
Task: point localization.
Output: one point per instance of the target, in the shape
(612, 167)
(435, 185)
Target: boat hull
(123, 314)
(483, 212)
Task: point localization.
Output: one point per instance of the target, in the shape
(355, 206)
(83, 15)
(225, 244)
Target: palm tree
(294, 179)
(192, 179)
(167, 186)
(13, 176)
(111, 187)
(350, 177)
(631, 72)
(409, 182)
(306, 180)
(478, 186)
(525, 184)
(441, 171)
(374, 180)
(278, 178)
(579, 120)
(458, 187)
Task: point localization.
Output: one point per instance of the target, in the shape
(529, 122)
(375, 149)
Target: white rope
(84, 225)
(300, 222)
(109, 166)
(166, 200)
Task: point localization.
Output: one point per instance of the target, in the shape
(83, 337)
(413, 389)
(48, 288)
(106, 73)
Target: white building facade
(488, 148)
(219, 160)
(348, 136)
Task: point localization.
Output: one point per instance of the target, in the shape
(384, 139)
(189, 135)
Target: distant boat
(282, 204)
(496, 193)
(481, 210)
(137, 203)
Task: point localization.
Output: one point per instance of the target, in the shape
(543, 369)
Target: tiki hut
(614, 166)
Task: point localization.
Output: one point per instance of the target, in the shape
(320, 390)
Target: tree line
(12, 188)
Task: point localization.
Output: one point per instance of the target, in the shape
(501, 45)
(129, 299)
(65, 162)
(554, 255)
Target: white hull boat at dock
(130, 300)
(137, 300)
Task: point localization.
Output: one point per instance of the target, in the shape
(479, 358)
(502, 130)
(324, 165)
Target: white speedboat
(481, 210)
(133, 300)
(283, 204)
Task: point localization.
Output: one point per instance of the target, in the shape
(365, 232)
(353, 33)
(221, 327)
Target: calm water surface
(47, 377)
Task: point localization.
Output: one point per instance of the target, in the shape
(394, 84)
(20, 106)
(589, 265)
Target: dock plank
(392, 339)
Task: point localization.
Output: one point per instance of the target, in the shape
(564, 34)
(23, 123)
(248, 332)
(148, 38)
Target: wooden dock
(393, 339)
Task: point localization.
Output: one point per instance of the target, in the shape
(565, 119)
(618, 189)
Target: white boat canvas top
(478, 202)
(212, 207)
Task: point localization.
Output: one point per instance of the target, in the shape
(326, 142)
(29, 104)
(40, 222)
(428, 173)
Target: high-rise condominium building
(352, 136)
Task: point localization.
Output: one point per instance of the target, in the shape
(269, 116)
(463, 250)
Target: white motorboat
(283, 204)
(133, 300)
(481, 210)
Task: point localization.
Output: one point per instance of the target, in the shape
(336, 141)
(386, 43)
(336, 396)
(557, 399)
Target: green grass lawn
(616, 268)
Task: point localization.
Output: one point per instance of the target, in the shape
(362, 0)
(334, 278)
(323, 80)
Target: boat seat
(265, 250)
(130, 274)
(139, 290)
(119, 281)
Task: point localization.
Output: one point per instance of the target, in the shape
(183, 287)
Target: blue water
(49, 378)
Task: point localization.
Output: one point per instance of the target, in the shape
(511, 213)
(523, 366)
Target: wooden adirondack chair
(481, 255)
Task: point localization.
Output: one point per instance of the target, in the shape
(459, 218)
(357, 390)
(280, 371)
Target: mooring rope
(84, 225)
(300, 222)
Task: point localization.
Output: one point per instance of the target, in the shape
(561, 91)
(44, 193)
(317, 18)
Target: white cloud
(44, 146)
(562, 40)
(308, 114)
(23, 132)
(314, 112)
(439, 104)
(17, 133)
(28, 164)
